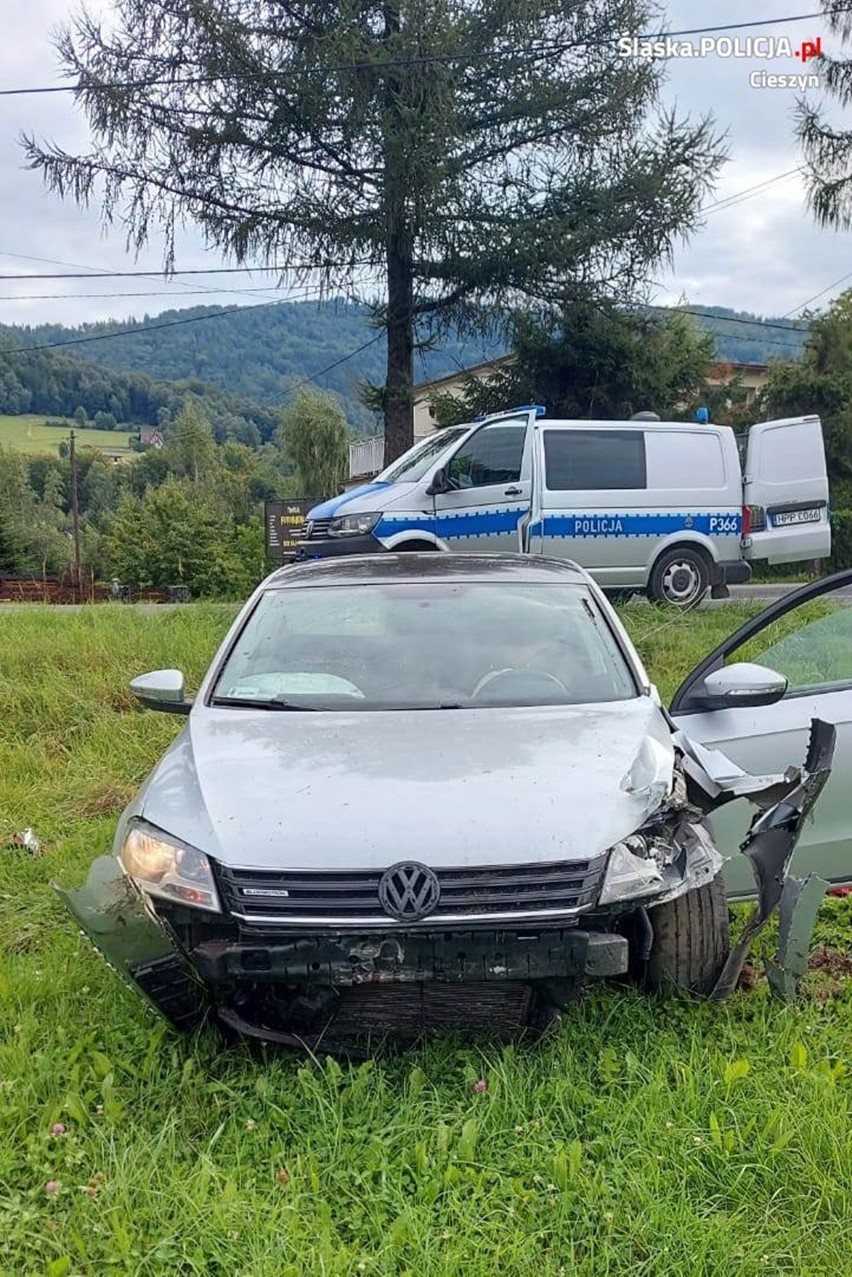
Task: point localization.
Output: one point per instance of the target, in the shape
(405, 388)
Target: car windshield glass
(429, 645)
(412, 465)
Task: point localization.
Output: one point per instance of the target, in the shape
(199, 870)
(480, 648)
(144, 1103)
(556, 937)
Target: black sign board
(284, 521)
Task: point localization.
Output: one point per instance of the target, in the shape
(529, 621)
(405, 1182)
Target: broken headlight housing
(353, 525)
(632, 871)
(166, 867)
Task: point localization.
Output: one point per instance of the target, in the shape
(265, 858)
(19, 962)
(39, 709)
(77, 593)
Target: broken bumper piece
(136, 944)
(447, 957)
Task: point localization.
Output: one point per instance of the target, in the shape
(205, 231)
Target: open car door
(807, 638)
(785, 492)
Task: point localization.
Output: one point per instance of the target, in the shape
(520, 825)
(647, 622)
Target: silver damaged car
(429, 792)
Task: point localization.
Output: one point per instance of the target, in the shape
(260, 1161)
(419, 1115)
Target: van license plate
(787, 517)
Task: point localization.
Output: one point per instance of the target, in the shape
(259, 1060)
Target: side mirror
(740, 684)
(439, 483)
(162, 690)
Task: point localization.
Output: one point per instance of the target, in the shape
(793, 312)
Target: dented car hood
(448, 788)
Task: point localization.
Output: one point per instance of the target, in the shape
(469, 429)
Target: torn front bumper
(184, 982)
(135, 943)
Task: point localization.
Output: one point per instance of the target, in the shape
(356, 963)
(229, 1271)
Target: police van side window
(582, 460)
(492, 456)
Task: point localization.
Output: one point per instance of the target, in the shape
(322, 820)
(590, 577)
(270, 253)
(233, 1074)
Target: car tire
(691, 941)
(415, 547)
(680, 577)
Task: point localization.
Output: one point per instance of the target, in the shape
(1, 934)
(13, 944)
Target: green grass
(28, 433)
(644, 1138)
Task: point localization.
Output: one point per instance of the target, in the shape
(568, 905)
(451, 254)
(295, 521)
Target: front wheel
(691, 941)
(680, 577)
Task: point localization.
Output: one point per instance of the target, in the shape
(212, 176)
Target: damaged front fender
(135, 944)
(784, 801)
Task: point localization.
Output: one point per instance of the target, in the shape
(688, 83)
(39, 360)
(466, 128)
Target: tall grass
(643, 1138)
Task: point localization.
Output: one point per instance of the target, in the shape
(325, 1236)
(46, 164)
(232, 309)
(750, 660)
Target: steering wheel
(491, 681)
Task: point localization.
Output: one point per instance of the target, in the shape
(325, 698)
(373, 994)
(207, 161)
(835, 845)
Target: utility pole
(75, 516)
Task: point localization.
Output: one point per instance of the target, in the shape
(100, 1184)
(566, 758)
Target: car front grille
(341, 899)
(314, 531)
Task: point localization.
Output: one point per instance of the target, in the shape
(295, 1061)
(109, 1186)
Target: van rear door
(785, 492)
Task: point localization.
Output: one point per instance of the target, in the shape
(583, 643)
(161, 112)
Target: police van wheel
(680, 577)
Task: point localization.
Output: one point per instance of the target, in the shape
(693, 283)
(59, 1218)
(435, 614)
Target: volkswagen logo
(409, 892)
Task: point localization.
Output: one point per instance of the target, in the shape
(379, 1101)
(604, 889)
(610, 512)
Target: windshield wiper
(251, 702)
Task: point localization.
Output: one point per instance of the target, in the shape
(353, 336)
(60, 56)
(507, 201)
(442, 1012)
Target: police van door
(589, 498)
(486, 488)
(785, 492)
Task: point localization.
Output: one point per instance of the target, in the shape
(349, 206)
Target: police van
(670, 508)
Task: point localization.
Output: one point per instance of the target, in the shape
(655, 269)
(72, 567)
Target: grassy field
(28, 433)
(648, 1139)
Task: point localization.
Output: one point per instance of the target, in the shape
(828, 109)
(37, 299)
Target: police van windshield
(412, 465)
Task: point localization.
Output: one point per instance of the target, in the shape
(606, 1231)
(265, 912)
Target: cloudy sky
(763, 254)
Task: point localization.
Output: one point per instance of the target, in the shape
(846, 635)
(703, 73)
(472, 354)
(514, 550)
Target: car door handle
(513, 492)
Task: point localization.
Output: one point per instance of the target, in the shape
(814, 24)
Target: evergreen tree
(439, 153)
(592, 361)
(827, 145)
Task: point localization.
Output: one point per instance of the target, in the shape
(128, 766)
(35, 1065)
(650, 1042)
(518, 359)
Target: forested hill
(746, 338)
(257, 353)
(57, 384)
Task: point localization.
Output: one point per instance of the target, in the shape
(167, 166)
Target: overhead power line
(821, 293)
(719, 206)
(159, 274)
(470, 55)
(314, 376)
(166, 292)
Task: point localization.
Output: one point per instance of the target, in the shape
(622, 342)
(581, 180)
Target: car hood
(363, 790)
(367, 497)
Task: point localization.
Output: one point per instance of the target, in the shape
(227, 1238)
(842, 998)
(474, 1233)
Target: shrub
(841, 540)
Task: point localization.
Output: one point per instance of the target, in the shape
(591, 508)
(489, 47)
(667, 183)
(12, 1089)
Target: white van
(664, 507)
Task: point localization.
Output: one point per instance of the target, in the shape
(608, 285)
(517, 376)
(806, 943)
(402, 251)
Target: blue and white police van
(670, 508)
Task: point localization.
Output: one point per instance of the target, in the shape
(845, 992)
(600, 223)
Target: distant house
(151, 436)
(752, 377)
(366, 458)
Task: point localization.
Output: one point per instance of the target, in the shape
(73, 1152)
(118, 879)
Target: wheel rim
(682, 582)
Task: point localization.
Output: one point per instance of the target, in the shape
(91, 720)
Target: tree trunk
(399, 406)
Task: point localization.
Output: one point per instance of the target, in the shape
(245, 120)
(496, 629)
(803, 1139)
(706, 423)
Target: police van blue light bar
(537, 408)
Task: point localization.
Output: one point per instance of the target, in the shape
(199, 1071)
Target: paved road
(767, 594)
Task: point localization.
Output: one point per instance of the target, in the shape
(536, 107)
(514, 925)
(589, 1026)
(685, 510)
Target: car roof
(363, 569)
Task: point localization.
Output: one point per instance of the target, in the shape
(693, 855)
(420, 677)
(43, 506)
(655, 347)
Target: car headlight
(353, 525)
(166, 867)
(631, 871)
